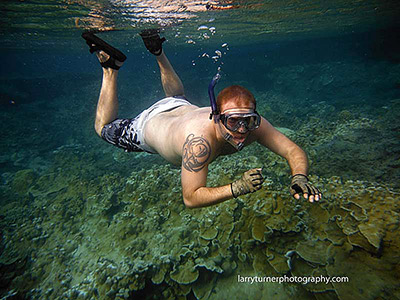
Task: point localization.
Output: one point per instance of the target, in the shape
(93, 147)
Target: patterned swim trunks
(128, 133)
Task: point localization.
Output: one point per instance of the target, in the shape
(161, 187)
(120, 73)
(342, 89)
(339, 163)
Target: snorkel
(216, 114)
(211, 94)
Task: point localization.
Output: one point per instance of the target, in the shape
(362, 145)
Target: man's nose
(242, 128)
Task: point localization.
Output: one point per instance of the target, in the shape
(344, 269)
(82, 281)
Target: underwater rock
(208, 264)
(182, 291)
(260, 263)
(209, 233)
(359, 276)
(313, 251)
(49, 184)
(326, 79)
(203, 287)
(225, 234)
(23, 180)
(279, 262)
(185, 273)
(159, 276)
(356, 211)
(10, 267)
(184, 252)
(289, 257)
(228, 267)
(348, 224)
(345, 115)
(372, 232)
(357, 239)
(259, 229)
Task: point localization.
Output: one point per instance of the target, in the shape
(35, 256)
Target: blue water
(328, 72)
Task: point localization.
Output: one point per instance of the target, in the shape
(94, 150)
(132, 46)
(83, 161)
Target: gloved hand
(301, 186)
(250, 182)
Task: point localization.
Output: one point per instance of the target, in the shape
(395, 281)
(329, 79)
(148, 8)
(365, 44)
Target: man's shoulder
(199, 131)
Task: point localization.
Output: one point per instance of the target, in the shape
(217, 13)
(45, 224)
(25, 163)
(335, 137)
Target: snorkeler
(192, 136)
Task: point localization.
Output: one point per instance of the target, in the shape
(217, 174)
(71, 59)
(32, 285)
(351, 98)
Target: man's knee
(98, 128)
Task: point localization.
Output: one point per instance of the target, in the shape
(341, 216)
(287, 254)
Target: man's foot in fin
(152, 40)
(115, 57)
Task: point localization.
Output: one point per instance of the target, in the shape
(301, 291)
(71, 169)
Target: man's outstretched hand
(300, 186)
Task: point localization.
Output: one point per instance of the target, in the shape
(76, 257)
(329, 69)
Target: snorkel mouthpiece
(229, 138)
(211, 94)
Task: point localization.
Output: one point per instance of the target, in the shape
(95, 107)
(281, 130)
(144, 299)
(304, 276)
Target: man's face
(242, 133)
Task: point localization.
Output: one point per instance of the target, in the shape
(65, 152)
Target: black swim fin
(95, 43)
(152, 40)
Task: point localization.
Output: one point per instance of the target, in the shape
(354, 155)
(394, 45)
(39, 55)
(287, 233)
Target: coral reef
(117, 238)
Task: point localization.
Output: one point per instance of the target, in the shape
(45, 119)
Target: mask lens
(233, 123)
(251, 122)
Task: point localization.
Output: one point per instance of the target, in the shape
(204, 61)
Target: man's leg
(171, 83)
(119, 132)
(111, 59)
(107, 106)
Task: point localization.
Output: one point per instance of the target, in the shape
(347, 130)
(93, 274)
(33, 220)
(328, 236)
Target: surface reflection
(163, 13)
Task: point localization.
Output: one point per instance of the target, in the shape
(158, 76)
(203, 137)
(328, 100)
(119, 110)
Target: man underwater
(183, 134)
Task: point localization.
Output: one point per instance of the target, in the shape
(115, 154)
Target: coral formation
(128, 235)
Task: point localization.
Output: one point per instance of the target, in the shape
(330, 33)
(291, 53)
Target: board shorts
(128, 134)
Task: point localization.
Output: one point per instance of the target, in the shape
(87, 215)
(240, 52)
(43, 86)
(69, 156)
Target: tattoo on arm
(196, 152)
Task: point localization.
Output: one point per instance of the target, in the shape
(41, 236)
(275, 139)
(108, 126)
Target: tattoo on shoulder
(196, 152)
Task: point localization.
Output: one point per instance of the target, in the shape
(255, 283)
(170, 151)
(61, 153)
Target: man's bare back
(166, 132)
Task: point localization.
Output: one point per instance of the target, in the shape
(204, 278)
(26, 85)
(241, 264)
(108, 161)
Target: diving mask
(250, 121)
(233, 119)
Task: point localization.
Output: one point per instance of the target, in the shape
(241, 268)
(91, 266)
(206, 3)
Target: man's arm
(277, 142)
(196, 157)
